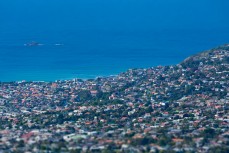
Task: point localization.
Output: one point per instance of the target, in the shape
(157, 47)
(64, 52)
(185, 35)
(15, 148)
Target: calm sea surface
(103, 38)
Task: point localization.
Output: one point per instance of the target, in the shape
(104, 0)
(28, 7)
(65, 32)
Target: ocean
(81, 40)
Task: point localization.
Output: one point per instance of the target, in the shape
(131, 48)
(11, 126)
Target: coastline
(78, 76)
(69, 75)
(111, 66)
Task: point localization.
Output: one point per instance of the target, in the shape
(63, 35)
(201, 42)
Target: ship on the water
(33, 43)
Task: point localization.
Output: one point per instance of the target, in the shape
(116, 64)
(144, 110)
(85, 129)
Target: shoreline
(82, 78)
(63, 77)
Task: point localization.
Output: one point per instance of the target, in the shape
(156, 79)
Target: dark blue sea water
(103, 38)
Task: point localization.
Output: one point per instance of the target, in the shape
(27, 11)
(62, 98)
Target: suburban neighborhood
(177, 108)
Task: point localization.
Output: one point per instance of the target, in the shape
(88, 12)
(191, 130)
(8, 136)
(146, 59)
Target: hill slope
(205, 73)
